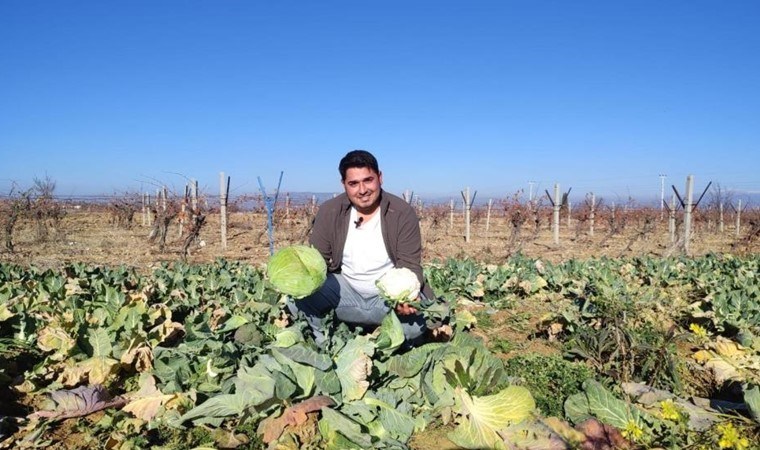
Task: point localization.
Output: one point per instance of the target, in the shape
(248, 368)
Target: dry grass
(90, 237)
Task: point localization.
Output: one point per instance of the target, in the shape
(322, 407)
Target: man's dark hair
(357, 158)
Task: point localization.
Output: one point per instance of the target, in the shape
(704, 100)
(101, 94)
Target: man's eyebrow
(365, 179)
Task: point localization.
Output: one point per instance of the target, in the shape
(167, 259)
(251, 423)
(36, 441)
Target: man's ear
(380, 177)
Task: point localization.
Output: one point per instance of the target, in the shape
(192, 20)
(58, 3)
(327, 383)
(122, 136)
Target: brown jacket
(401, 233)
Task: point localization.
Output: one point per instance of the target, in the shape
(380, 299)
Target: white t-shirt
(365, 258)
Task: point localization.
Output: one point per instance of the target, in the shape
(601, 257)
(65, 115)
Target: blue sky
(603, 96)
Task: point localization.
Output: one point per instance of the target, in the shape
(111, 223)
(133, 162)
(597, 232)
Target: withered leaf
(79, 402)
(292, 416)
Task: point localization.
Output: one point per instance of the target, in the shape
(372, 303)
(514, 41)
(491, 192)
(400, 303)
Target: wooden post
(687, 210)
(451, 214)
(591, 215)
(224, 186)
(720, 217)
(555, 218)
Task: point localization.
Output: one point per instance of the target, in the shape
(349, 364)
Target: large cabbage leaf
(396, 416)
(353, 366)
(483, 417)
(340, 432)
(253, 386)
(752, 399)
(596, 401)
(390, 334)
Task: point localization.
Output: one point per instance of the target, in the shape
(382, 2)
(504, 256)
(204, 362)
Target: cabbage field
(637, 352)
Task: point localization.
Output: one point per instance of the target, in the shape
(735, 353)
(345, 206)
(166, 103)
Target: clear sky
(116, 96)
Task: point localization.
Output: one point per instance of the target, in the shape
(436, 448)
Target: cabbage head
(398, 285)
(297, 271)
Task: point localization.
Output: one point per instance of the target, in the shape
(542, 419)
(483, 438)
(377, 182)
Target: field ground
(90, 237)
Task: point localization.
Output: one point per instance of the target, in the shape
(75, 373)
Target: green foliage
(206, 347)
(550, 379)
(597, 401)
(485, 320)
(501, 345)
(627, 353)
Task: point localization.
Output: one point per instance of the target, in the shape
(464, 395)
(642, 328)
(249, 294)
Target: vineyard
(128, 331)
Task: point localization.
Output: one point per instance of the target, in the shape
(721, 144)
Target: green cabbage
(297, 271)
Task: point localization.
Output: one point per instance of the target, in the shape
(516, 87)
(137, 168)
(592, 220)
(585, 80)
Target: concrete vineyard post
(287, 204)
(687, 210)
(662, 195)
(467, 206)
(569, 213)
(451, 214)
(194, 195)
(183, 212)
(224, 186)
(555, 218)
(720, 217)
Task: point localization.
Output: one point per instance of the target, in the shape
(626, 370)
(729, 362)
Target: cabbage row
(203, 355)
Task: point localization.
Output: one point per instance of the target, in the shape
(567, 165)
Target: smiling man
(362, 233)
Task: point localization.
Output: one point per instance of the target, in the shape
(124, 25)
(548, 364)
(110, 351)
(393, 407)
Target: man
(362, 233)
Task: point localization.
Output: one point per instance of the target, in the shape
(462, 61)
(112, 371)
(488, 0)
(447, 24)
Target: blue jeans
(350, 307)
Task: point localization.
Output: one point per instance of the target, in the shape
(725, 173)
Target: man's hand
(404, 309)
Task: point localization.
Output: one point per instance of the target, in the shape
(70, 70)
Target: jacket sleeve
(320, 236)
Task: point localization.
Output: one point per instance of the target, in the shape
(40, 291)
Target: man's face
(362, 186)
